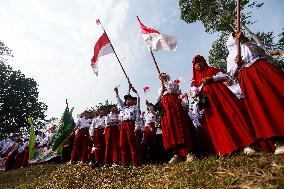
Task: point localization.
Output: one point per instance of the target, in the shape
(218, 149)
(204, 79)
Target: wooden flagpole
(99, 23)
(155, 62)
(238, 39)
(151, 52)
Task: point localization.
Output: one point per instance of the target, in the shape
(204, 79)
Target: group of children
(240, 110)
(113, 137)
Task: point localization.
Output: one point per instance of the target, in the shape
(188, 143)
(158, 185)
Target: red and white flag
(146, 89)
(102, 47)
(156, 41)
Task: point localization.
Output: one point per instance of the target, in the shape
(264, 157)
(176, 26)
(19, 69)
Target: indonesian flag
(146, 89)
(156, 41)
(101, 48)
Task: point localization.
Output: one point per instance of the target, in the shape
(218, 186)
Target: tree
(219, 15)
(218, 53)
(18, 98)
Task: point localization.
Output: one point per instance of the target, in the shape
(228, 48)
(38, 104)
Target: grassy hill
(261, 171)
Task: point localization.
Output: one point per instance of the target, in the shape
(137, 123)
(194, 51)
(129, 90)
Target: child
(262, 86)
(127, 136)
(81, 142)
(112, 150)
(222, 118)
(149, 139)
(97, 136)
(174, 121)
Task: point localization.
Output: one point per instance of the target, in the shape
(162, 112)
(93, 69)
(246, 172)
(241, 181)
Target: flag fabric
(65, 129)
(177, 81)
(98, 21)
(31, 139)
(146, 89)
(155, 40)
(102, 47)
(184, 96)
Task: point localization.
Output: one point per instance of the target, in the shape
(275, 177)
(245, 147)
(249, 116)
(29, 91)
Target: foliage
(218, 53)
(217, 15)
(18, 98)
(94, 110)
(260, 171)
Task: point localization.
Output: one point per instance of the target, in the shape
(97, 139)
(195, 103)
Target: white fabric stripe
(156, 41)
(107, 49)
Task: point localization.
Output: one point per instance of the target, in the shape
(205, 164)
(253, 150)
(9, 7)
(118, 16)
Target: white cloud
(53, 41)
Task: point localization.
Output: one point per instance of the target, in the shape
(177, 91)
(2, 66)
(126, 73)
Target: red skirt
(175, 124)
(227, 124)
(262, 85)
(112, 150)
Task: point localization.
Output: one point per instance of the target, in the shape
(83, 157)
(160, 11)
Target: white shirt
(171, 88)
(84, 123)
(217, 77)
(112, 119)
(236, 89)
(159, 131)
(149, 117)
(250, 53)
(139, 123)
(98, 122)
(127, 112)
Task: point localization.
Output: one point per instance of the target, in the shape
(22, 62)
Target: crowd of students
(241, 110)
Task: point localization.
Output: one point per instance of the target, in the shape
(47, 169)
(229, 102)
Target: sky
(52, 41)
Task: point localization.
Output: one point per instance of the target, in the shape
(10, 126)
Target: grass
(261, 171)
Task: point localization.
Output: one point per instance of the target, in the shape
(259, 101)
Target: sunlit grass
(261, 171)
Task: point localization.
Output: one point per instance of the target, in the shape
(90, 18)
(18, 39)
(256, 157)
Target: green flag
(31, 139)
(65, 129)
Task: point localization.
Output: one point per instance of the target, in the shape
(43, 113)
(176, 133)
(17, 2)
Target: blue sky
(52, 42)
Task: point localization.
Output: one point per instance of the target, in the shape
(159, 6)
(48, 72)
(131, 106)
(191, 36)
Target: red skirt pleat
(262, 85)
(175, 124)
(227, 125)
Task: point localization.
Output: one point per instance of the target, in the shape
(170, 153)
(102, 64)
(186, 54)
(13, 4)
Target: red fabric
(203, 145)
(262, 85)
(144, 29)
(112, 150)
(102, 41)
(175, 123)
(265, 146)
(225, 122)
(18, 160)
(206, 72)
(25, 162)
(128, 143)
(99, 141)
(150, 141)
(80, 147)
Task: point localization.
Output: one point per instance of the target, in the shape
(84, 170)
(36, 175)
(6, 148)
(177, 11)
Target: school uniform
(149, 138)
(175, 123)
(128, 114)
(97, 134)
(262, 86)
(112, 150)
(81, 142)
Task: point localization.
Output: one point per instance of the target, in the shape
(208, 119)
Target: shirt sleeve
(120, 102)
(220, 76)
(92, 128)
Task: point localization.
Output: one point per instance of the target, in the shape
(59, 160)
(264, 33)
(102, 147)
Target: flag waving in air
(102, 47)
(155, 40)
